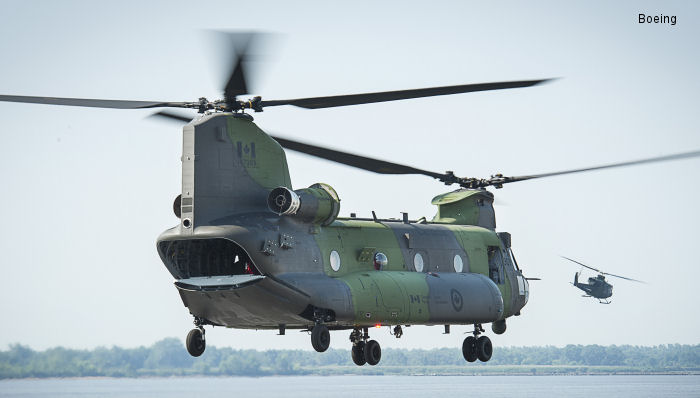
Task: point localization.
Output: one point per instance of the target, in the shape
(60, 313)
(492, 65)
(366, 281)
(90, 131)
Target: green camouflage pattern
(465, 207)
(453, 270)
(262, 157)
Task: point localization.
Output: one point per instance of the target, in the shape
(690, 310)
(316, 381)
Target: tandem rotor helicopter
(597, 287)
(252, 252)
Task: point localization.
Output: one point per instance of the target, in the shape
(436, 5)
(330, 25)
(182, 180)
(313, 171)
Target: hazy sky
(87, 191)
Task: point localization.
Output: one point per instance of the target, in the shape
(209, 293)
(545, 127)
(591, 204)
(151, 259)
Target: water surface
(360, 386)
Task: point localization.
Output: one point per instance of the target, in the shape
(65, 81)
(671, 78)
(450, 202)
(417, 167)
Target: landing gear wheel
(320, 338)
(195, 342)
(373, 352)
(484, 348)
(358, 353)
(469, 349)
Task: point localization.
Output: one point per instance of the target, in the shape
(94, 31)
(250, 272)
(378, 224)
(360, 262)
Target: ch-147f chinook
(252, 252)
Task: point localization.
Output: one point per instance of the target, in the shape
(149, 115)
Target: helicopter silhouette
(597, 286)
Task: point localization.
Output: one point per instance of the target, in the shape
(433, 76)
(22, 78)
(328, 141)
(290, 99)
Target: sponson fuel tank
(365, 298)
(390, 297)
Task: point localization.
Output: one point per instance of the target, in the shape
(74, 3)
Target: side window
(496, 265)
(418, 262)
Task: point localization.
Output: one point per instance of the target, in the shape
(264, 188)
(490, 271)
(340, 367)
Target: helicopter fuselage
(274, 273)
(239, 264)
(596, 287)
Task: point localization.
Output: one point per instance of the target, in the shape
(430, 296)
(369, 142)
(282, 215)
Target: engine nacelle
(317, 204)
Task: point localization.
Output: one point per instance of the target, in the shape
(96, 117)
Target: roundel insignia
(457, 301)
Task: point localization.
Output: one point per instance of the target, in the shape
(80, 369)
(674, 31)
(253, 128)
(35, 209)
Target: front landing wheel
(469, 349)
(484, 349)
(195, 342)
(320, 338)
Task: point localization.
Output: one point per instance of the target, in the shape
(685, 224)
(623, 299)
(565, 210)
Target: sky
(87, 191)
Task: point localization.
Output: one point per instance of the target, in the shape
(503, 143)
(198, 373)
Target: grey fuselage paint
(264, 269)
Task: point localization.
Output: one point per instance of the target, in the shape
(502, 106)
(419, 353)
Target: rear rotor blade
(582, 264)
(362, 162)
(236, 84)
(93, 103)
(239, 44)
(172, 116)
(356, 99)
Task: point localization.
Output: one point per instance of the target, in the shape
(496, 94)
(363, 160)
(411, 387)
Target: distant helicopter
(597, 286)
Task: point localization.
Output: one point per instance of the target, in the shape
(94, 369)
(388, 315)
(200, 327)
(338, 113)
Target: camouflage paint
(319, 204)
(261, 156)
(398, 294)
(388, 298)
(236, 165)
(228, 167)
(466, 207)
(476, 242)
(353, 238)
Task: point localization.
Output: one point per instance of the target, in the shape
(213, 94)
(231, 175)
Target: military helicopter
(252, 252)
(597, 286)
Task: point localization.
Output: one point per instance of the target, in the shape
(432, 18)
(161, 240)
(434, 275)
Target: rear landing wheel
(373, 352)
(358, 353)
(469, 349)
(320, 338)
(195, 342)
(484, 348)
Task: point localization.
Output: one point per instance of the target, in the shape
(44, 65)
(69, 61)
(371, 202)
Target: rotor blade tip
(548, 80)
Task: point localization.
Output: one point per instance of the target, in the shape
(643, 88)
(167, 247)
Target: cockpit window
(508, 261)
(511, 256)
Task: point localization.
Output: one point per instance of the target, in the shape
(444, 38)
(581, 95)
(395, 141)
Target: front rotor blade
(367, 98)
(362, 162)
(685, 155)
(93, 103)
(582, 264)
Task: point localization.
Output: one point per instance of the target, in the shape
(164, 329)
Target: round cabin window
(335, 261)
(418, 262)
(458, 263)
(380, 261)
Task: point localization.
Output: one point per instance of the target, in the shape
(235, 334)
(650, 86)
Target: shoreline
(342, 371)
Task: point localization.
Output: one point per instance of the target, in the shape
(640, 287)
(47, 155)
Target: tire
(358, 353)
(320, 338)
(469, 349)
(484, 348)
(373, 352)
(195, 342)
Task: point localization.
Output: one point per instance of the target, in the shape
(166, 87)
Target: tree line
(168, 357)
